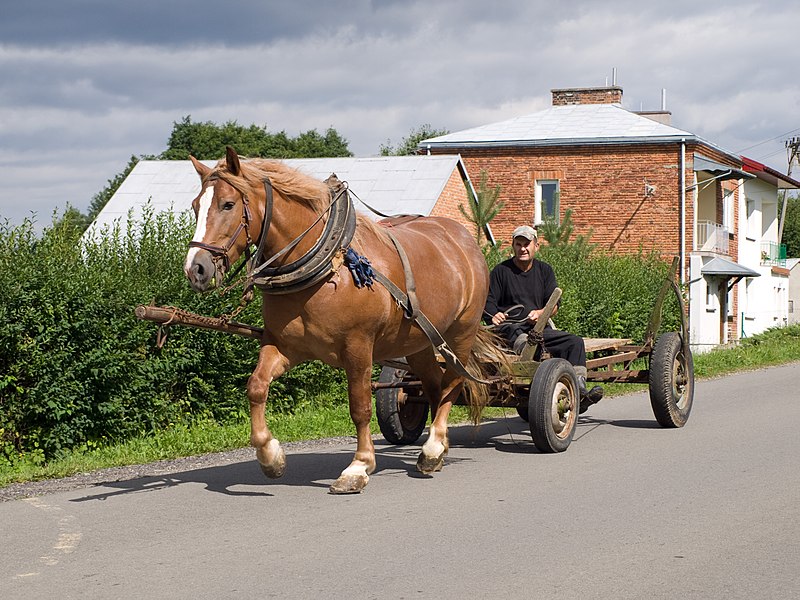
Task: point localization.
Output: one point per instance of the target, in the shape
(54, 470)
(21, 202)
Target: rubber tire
(522, 411)
(554, 380)
(671, 381)
(400, 422)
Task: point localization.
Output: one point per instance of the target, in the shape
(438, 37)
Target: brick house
(633, 180)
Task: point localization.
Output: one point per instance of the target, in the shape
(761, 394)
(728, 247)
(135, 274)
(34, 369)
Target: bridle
(220, 253)
(301, 271)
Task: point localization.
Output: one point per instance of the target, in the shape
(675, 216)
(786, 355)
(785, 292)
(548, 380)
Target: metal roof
(577, 124)
(720, 171)
(770, 175)
(727, 268)
(390, 184)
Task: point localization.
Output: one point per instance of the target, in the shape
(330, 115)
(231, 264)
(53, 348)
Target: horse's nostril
(199, 269)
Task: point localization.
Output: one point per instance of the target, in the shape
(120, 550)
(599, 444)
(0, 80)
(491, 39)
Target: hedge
(77, 369)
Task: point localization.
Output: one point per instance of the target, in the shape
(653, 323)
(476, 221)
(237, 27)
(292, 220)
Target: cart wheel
(553, 405)
(522, 411)
(401, 422)
(671, 381)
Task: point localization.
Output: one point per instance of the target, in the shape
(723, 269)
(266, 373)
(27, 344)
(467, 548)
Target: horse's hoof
(276, 468)
(349, 484)
(430, 464)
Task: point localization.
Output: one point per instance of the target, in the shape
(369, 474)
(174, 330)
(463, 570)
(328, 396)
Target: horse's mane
(293, 185)
(290, 183)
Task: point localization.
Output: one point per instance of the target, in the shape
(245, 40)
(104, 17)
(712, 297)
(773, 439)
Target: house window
(727, 210)
(711, 292)
(547, 200)
(751, 219)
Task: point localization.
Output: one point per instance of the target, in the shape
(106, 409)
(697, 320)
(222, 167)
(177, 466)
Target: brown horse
(333, 320)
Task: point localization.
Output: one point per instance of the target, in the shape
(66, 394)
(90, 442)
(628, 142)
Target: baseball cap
(526, 231)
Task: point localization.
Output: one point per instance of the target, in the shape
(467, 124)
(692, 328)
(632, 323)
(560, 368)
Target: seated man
(523, 280)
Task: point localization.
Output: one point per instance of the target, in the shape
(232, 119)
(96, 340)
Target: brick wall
(604, 187)
(453, 195)
(594, 95)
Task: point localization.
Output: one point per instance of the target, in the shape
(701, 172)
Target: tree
(791, 228)
(207, 141)
(73, 222)
(482, 211)
(408, 145)
(559, 235)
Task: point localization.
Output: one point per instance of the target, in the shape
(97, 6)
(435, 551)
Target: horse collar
(321, 260)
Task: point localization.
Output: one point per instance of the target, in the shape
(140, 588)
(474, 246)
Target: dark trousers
(560, 344)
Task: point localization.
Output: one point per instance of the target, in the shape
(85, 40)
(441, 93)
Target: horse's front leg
(359, 374)
(270, 454)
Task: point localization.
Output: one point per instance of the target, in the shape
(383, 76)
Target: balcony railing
(773, 254)
(712, 237)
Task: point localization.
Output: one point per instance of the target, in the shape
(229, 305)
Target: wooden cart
(545, 392)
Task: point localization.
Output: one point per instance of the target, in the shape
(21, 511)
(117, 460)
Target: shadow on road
(318, 468)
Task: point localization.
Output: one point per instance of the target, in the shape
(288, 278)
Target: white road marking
(69, 534)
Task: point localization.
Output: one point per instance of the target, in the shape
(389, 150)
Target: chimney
(662, 116)
(593, 95)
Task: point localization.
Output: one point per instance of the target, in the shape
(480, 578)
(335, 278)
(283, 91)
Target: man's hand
(499, 318)
(534, 315)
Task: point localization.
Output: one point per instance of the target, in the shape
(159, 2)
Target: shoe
(592, 396)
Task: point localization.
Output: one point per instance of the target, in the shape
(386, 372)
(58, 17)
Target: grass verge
(774, 347)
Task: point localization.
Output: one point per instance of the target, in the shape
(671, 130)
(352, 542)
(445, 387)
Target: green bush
(77, 369)
(608, 295)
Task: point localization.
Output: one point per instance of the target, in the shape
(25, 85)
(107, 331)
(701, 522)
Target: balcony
(711, 237)
(773, 254)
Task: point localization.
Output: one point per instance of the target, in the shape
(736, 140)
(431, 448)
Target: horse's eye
(228, 206)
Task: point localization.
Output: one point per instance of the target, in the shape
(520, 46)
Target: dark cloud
(86, 84)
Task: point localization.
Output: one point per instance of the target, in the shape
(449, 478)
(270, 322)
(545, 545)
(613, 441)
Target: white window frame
(727, 210)
(750, 209)
(538, 217)
(711, 295)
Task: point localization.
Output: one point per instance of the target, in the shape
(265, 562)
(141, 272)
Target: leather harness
(323, 260)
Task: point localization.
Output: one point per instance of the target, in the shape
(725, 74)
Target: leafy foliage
(559, 235)
(77, 369)
(408, 145)
(482, 210)
(791, 228)
(608, 295)
(207, 141)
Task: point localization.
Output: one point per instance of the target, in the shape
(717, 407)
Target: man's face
(524, 249)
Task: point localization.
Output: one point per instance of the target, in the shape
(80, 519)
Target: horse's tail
(487, 359)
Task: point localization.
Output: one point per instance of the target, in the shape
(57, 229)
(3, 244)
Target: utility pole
(793, 154)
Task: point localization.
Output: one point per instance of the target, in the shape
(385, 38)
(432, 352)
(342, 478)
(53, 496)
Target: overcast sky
(85, 84)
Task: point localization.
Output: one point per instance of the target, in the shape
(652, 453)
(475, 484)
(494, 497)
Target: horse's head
(223, 224)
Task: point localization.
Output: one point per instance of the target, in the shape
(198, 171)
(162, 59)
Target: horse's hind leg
(442, 389)
(270, 454)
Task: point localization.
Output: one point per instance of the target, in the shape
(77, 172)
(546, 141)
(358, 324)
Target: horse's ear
(232, 158)
(201, 169)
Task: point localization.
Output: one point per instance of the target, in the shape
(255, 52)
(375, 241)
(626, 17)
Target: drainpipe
(682, 184)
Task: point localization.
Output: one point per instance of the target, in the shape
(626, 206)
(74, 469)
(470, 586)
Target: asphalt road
(631, 510)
